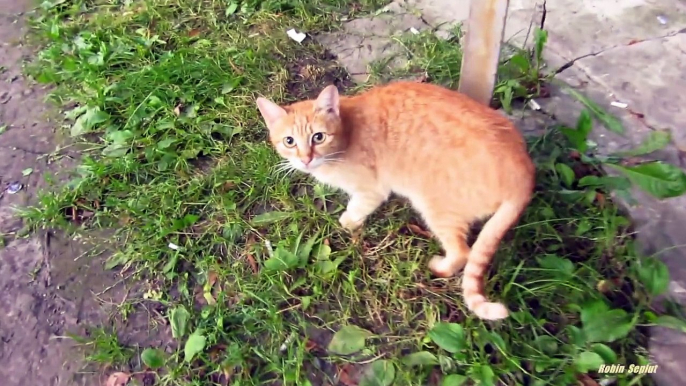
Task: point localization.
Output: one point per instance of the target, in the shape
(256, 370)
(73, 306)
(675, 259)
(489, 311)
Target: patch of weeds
(249, 268)
(427, 57)
(103, 348)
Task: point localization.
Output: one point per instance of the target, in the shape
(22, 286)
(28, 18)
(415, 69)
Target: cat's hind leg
(452, 233)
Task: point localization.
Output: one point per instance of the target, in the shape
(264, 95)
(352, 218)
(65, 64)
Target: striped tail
(480, 257)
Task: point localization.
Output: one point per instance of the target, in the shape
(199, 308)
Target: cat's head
(308, 134)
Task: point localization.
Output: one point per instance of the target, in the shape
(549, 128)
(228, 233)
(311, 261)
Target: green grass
(263, 276)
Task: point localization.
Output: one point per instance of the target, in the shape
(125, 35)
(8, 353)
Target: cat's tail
(481, 255)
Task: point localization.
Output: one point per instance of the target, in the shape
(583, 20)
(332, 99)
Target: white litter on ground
(619, 104)
(297, 36)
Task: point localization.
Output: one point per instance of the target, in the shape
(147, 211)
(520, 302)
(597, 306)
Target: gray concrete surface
(629, 51)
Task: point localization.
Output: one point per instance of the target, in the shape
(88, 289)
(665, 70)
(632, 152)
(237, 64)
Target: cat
(456, 160)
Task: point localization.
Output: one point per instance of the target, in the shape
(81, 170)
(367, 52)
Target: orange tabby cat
(456, 160)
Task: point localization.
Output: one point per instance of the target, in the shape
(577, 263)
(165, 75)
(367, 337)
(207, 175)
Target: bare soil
(50, 286)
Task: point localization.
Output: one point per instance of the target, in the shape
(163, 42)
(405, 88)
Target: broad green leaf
(584, 124)
(601, 324)
(482, 374)
(605, 352)
(379, 373)
(190, 219)
(115, 150)
(85, 123)
(454, 380)
(547, 344)
(194, 345)
(521, 61)
(282, 260)
(165, 143)
(566, 174)
(588, 360)
(120, 137)
(153, 358)
(421, 358)
(232, 8)
(555, 263)
(171, 263)
(323, 252)
(576, 335)
(305, 250)
(656, 140)
(659, 179)
(178, 319)
(348, 340)
(270, 217)
(498, 341)
(606, 182)
(540, 39)
(325, 267)
(448, 336)
(654, 275)
(671, 322)
(576, 138)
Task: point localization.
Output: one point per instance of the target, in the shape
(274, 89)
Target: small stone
(662, 19)
(14, 188)
(27, 92)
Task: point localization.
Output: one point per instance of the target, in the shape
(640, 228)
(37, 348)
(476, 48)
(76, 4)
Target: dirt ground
(48, 287)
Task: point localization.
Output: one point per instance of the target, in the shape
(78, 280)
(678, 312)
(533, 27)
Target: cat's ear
(271, 112)
(328, 100)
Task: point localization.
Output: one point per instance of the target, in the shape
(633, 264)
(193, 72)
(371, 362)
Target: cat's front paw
(349, 222)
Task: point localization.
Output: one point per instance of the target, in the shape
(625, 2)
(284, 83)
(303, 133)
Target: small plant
(659, 179)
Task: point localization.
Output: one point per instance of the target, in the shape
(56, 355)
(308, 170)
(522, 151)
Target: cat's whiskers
(333, 157)
(284, 167)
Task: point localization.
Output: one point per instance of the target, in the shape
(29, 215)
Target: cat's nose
(306, 160)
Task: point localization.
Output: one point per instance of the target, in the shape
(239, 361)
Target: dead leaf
(326, 242)
(194, 32)
(227, 186)
(124, 220)
(208, 291)
(211, 278)
(417, 230)
(252, 263)
(118, 379)
(600, 199)
(177, 109)
(344, 376)
(236, 69)
(585, 380)
(310, 345)
(248, 256)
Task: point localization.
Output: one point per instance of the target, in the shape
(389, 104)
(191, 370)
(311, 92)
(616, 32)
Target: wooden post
(481, 53)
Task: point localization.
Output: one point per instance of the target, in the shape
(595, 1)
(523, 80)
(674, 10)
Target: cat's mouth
(310, 166)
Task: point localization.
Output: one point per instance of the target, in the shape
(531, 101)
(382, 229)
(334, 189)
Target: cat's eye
(318, 138)
(289, 141)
